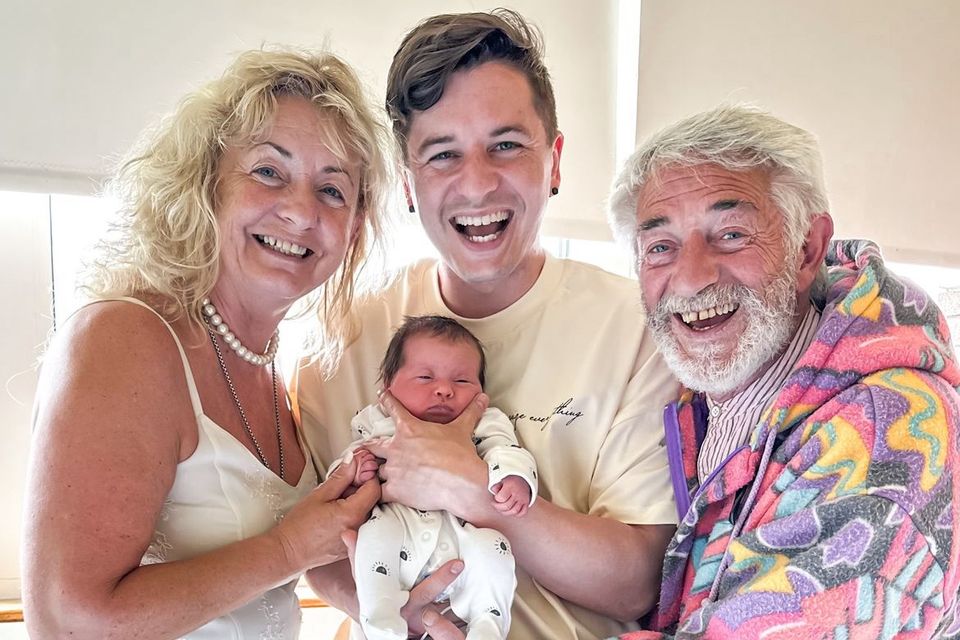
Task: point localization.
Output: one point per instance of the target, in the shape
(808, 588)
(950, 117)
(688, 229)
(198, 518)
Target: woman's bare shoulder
(117, 331)
(114, 358)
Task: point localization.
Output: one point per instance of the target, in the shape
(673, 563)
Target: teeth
(704, 314)
(283, 246)
(477, 221)
(481, 239)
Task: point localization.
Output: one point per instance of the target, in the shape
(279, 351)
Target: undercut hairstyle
(165, 243)
(442, 45)
(441, 327)
(736, 138)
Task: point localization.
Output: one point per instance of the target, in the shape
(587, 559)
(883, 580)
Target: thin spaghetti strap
(188, 372)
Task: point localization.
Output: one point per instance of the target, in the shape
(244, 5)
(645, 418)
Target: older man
(569, 359)
(814, 459)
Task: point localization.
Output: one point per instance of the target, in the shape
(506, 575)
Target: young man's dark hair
(442, 45)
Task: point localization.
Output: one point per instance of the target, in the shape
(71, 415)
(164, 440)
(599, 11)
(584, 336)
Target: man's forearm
(598, 563)
(333, 583)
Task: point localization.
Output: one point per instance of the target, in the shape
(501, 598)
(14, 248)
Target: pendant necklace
(213, 329)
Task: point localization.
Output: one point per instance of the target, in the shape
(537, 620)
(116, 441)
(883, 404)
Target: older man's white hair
(737, 138)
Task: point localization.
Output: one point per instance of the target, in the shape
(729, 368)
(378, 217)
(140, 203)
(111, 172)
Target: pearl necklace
(215, 320)
(243, 416)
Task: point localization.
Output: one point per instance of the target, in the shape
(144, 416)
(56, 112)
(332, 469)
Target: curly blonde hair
(165, 245)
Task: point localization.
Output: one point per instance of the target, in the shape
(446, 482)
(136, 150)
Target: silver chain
(243, 416)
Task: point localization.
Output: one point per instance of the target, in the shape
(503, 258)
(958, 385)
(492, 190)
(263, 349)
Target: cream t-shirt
(573, 367)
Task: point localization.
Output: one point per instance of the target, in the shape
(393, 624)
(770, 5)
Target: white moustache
(716, 296)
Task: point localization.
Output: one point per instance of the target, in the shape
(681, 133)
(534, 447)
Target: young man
(816, 452)
(569, 359)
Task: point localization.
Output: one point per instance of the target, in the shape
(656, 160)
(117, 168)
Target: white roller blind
(81, 79)
(26, 322)
(878, 81)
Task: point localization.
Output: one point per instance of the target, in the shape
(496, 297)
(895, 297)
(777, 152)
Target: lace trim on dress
(159, 547)
(275, 628)
(261, 486)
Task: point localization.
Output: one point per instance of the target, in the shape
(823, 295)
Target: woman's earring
(554, 191)
(413, 209)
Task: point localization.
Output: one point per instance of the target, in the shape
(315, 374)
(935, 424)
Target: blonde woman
(166, 464)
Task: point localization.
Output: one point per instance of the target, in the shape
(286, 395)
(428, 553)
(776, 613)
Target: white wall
(25, 290)
(878, 81)
(91, 75)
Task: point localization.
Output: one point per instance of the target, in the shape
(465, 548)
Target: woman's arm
(111, 422)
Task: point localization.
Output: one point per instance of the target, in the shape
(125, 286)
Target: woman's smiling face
(286, 207)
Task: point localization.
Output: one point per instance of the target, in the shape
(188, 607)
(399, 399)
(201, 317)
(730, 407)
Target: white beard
(770, 321)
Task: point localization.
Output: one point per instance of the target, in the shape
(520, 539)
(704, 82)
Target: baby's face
(438, 378)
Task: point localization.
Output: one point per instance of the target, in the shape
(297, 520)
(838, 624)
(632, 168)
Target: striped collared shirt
(730, 423)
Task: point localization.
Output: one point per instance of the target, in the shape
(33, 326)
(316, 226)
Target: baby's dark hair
(435, 326)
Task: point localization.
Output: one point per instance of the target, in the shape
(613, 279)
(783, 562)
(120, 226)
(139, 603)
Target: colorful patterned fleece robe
(841, 519)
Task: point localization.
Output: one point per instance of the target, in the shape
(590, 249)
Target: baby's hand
(511, 496)
(367, 466)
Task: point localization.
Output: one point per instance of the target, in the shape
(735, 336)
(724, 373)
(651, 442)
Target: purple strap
(671, 430)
